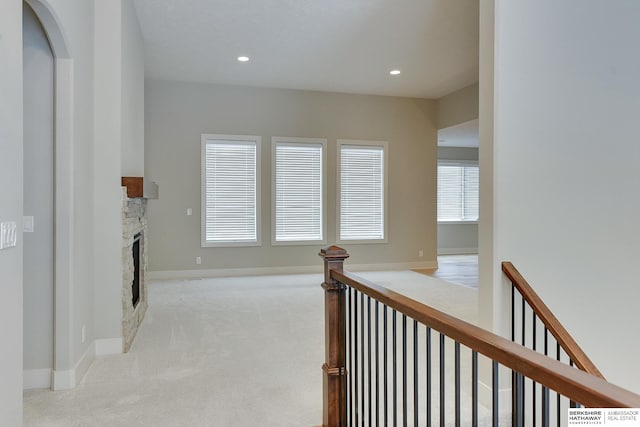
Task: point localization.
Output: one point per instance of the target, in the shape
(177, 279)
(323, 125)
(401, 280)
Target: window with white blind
(362, 191)
(298, 190)
(230, 190)
(458, 191)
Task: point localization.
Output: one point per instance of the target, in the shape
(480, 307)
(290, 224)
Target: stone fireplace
(134, 266)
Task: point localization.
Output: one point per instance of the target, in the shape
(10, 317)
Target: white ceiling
(326, 45)
(462, 135)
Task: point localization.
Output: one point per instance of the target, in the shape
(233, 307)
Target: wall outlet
(198, 260)
(84, 334)
(420, 253)
(189, 211)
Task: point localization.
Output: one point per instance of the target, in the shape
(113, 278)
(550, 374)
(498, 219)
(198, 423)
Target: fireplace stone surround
(134, 222)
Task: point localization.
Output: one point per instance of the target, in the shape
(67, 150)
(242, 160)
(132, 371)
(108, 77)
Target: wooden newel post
(334, 370)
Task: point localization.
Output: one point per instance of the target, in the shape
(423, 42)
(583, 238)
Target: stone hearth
(134, 221)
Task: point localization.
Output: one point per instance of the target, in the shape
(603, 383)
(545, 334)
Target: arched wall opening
(63, 213)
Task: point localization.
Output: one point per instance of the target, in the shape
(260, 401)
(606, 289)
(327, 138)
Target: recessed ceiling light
(394, 72)
(243, 58)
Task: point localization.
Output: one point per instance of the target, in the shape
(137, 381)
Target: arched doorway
(38, 201)
(59, 158)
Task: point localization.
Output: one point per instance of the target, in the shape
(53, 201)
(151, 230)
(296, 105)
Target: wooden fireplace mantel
(138, 187)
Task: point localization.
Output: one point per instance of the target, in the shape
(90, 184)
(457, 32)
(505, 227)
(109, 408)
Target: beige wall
(176, 114)
(11, 210)
(132, 88)
(566, 168)
(458, 107)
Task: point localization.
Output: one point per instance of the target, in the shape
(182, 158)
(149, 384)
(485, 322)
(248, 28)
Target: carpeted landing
(224, 352)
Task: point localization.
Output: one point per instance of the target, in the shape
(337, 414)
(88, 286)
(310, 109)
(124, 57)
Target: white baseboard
(268, 271)
(68, 379)
(457, 251)
(107, 346)
(36, 378)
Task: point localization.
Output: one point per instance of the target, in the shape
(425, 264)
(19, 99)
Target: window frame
(459, 163)
(385, 193)
(204, 140)
(299, 141)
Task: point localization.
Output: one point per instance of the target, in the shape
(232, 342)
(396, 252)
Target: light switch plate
(8, 234)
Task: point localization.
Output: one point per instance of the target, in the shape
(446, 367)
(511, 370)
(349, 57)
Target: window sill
(362, 242)
(298, 242)
(457, 222)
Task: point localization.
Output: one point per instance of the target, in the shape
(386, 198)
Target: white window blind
(298, 182)
(230, 192)
(458, 192)
(362, 192)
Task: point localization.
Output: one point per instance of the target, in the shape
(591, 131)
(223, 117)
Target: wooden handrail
(562, 336)
(577, 385)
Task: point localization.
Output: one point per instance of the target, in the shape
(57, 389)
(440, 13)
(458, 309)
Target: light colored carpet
(223, 352)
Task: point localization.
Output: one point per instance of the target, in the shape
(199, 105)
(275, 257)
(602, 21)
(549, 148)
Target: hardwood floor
(459, 269)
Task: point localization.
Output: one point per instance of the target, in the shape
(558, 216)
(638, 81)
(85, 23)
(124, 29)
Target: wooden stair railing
(579, 386)
(551, 322)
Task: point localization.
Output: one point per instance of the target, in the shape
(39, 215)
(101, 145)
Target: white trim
(64, 211)
(470, 222)
(36, 378)
(70, 378)
(293, 140)
(457, 251)
(55, 33)
(108, 346)
(450, 162)
(385, 148)
(204, 138)
(266, 271)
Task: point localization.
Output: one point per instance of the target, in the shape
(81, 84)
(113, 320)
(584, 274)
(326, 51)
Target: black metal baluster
(369, 355)
(384, 363)
(545, 406)
(494, 389)
(395, 369)
(545, 390)
(558, 394)
(457, 381)
(343, 331)
(404, 370)
(519, 400)
(533, 383)
(524, 345)
(572, 403)
(350, 359)
(513, 339)
(377, 333)
(442, 389)
(523, 321)
(355, 356)
(415, 373)
(513, 314)
(362, 375)
(474, 388)
(429, 382)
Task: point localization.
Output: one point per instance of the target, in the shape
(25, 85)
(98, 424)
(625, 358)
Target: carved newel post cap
(333, 252)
